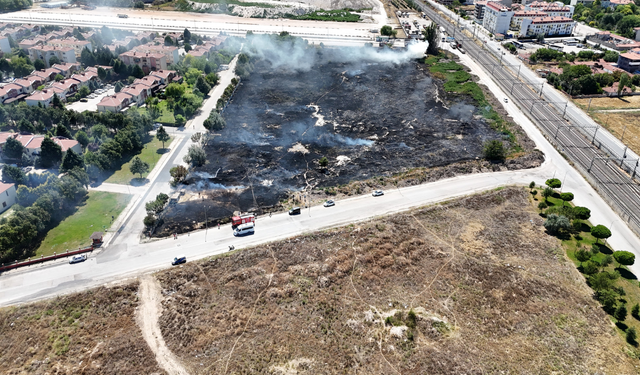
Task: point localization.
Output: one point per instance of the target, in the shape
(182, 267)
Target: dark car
(294, 211)
(179, 260)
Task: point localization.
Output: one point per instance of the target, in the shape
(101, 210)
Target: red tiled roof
(631, 56)
(4, 187)
(43, 95)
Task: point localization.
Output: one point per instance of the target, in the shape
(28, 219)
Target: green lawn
(151, 153)
(166, 116)
(92, 216)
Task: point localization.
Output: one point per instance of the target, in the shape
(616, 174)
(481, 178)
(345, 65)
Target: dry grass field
(616, 122)
(472, 286)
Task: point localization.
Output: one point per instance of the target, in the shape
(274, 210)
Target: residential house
(15, 32)
(25, 44)
(147, 61)
(67, 69)
(497, 17)
(11, 92)
(139, 93)
(7, 196)
(66, 88)
(150, 81)
(115, 103)
(34, 142)
(165, 76)
(30, 83)
(85, 78)
(614, 3)
(44, 97)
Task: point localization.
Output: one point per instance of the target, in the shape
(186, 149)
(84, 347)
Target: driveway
(91, 104)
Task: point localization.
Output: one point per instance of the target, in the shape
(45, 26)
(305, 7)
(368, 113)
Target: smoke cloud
(295, 54)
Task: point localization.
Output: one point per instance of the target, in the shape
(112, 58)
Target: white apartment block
(44, 53)
(547, 26)
(519, 15)
(556, 9)
(497, 18)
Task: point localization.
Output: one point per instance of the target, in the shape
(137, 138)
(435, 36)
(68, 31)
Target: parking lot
(92, 100)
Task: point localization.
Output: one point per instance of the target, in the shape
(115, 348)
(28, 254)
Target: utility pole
(623, 131)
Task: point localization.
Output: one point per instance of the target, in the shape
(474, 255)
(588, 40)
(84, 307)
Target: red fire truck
(242, 219)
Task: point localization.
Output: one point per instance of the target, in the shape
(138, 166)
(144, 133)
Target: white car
(78, 258)
(377, 193)
(506, 100)
(329, 203)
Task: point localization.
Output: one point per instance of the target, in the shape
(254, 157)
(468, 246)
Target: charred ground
(367, 117)
(474, 286)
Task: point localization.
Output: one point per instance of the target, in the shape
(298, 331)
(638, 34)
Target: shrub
(494, 150)
(600, 231)
(582, 213)
(555, 223)
(632, 336)
(553, 183)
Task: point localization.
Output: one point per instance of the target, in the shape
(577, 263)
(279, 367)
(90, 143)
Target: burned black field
(367, 119)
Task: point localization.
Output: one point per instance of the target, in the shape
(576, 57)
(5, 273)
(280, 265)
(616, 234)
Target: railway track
(577, 142)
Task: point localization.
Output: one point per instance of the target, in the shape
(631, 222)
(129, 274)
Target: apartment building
(556, 9)
(518, 16)
(75, 44)
(171, 52)
(630, 61)
(479, 10)
(44, 53)
(497, 17)
(147, 61)
(547, 26)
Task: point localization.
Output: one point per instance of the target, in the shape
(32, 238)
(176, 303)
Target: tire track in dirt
(147, 318)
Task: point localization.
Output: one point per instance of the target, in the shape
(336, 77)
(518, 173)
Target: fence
(43, 259)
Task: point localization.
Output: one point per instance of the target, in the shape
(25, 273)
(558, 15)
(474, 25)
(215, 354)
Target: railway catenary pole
(612, 183)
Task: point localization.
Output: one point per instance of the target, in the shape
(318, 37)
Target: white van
(244, 229)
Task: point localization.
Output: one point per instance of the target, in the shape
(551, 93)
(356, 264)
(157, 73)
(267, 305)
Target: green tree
(566, 197)
(582, 256)
(591, 268)
(175, 91)
(624, 81)
(202, 85)
(386, 30)
(13, 175)
(494, 150)
(432, 35)
(323, 162)
(118, 86)
(53, 61)
(186, 35)
(13, 148)
(71, 160)
(137, 71)
(195, 157)
(635, 311)
(138, 166)
(50, 153)
(600, 232)
(621, 313)
(553, 183)
(138, 5)
(62, 131)
(149, 220)
(39, 65)
(556, 223)
(179, 173)
(582, 213)
(546, 193)
(601, 281)
(82, 138)
(162, 135)
(187, 47)
(58, 78)
(215, 122)
(56, 102)
(632, 336)
(102, 74)
(26, 126)
(84, 91)
(168, 40)
(212, 78)
(532, 184)
(624, 258)
(542, 206)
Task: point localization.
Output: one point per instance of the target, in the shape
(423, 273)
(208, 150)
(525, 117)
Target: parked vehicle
(78, 258)
(244, 229)
(123, 16)
(242, 219)
(294, 211)
(329, 203)
(179, 260)
(377, 193)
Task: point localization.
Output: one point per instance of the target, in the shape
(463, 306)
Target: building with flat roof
(547, 26)
(630, 62)
(497, 18)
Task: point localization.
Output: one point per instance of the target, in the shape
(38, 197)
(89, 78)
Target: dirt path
(147, 319)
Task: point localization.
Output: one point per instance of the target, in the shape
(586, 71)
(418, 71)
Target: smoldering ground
(368, 113)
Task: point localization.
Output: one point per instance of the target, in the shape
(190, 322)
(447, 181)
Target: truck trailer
(242, 219)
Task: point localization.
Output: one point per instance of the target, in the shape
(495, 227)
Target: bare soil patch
(85, 333)
(472, 286)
